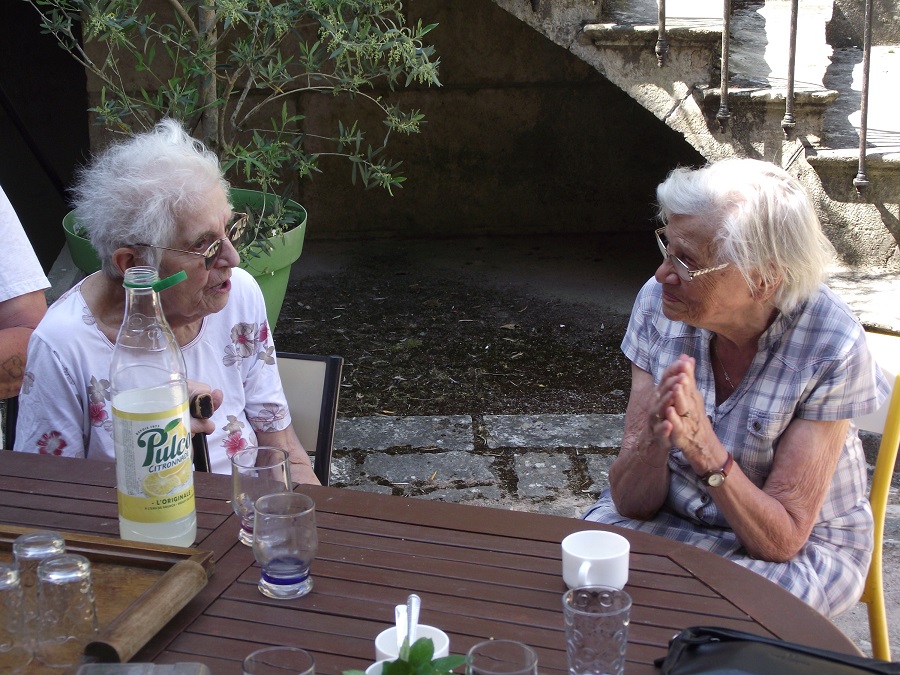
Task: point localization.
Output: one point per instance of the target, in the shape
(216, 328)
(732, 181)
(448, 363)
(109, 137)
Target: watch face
(715, 480)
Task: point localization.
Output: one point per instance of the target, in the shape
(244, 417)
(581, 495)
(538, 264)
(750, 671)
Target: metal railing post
(788, 123)
(861, 182)
(723, 115)
(662, 46)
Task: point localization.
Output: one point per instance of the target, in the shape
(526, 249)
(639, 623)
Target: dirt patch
(420, 340)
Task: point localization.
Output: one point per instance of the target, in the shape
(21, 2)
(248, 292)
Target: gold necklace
(722, 366)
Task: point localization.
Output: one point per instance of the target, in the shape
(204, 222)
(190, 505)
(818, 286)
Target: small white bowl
(386, 642)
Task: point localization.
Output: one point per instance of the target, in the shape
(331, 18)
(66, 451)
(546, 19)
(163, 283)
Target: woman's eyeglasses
(681, 269)
(236, 235)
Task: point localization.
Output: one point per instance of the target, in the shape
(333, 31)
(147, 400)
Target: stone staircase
(619, 38)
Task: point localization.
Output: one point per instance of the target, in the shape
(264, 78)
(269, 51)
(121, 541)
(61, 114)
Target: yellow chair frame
(873, 593)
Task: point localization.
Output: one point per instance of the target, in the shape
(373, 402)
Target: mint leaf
(422, 651)
(447, 663)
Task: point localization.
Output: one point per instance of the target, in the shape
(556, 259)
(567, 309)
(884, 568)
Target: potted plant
(417, 659)
(240, 74)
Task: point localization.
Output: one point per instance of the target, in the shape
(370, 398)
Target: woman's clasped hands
(679, 415)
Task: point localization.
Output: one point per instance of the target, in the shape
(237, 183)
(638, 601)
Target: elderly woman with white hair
(158, 199)
(746, 372)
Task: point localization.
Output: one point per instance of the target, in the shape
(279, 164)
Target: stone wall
(848, 21)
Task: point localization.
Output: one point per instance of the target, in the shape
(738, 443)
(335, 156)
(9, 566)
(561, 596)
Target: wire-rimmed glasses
(681, 269)
(236, 235)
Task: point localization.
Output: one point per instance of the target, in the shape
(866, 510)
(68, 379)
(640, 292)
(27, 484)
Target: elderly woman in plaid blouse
(746, 372)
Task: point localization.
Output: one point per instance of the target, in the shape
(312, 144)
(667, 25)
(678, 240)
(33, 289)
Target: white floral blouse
(64, 405)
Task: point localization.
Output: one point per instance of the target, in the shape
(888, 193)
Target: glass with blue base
(285, 543)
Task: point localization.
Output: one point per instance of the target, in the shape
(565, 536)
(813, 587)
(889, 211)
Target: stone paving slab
(437, 468)
(553, 431)
(560, 471)
(541, 474)
(452, 432)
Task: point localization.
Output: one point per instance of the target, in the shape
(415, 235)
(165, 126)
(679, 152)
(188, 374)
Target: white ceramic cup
(386, 642)
(375, 668)
(595, 558)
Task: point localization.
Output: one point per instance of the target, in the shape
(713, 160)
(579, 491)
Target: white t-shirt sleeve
(20, 271)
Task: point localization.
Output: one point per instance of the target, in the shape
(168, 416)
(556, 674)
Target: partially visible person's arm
(301, 469)
(18, 318)
(775, 522)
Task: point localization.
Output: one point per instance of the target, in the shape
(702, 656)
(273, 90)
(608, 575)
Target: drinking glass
(15, 653)
(280, 661)
(501, 657)
(255, 472)
(68, 614)
(285, 543)
(596, 629)
(29, 550)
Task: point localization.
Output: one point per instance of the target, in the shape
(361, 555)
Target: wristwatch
(717, 477)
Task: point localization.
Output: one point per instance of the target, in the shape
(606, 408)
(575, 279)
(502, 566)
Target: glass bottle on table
(151, 422)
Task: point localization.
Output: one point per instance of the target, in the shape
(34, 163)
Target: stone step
(827, 81)
(838, 168)
(843, 117)
(757, 67)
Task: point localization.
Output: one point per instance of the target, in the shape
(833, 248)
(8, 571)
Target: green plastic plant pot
(83, 254)
(272, 270)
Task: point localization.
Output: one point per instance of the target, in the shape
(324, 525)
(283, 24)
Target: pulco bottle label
(154, 472)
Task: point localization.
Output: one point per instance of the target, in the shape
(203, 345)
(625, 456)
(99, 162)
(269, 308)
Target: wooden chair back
(312, 385)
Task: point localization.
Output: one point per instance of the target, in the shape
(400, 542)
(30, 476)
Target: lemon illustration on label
(184, 473)
(181, 471)
(157, 485)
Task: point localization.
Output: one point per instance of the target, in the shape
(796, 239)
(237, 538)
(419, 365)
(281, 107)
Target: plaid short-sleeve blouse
(812, 364)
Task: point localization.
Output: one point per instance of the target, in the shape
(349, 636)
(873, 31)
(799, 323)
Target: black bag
(703, 649)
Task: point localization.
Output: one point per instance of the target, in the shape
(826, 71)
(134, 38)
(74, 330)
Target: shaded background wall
(43, 90)
(522, 138)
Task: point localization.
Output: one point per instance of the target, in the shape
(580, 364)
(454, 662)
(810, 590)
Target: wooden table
(480, 572)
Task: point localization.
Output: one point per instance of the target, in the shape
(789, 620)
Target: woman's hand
(683, 421)
(660, 417)
(301, 467)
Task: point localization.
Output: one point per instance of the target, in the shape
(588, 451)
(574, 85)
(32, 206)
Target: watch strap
(723, 471)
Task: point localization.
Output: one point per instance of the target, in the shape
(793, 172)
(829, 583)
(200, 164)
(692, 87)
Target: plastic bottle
(151, 423)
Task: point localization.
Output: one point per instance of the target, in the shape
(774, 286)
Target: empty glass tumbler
(255, 472)
(29, 550)
(597, 620)
(501, 657)
(279, 661)
(15, 653)
(285, 543)
(68, 613)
